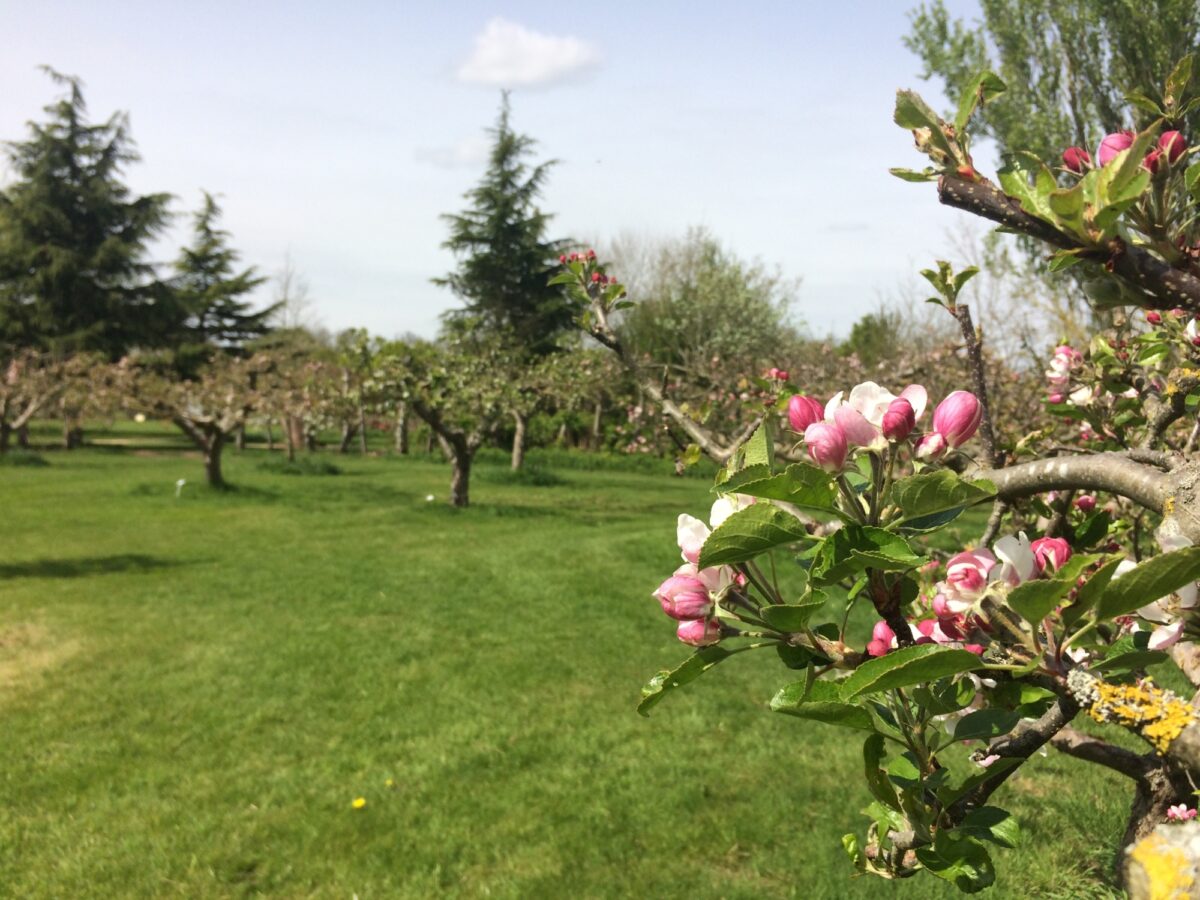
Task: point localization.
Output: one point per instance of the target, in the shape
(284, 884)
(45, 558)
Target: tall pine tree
(210, 292)
(73, 272)
(505, 259)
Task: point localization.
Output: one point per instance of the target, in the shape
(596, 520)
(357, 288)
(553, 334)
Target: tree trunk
(518, 447)
(212, 460)
(347, 436)
(240, 439)
(310, 440)
(291, 445)
(270, 437)
(596, 417)
(5, 432)
(23, 437)
(401, 435)
(362, 430)
(561, 438)
(429, 444)
(72, 435)
(295, 434)
(460, 478)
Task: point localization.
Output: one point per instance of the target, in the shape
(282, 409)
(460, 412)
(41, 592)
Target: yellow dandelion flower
(359, 802)
(389, 783)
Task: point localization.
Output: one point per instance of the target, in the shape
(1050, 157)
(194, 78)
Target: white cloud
(467, 153)
(510, 55)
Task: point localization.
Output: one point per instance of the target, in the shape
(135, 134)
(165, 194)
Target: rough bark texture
(518, 446)
(401, 434)
(460, 479)
(212, 461)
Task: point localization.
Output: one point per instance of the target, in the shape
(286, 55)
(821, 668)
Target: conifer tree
(209, 291)
(505, 259)
(73, 236)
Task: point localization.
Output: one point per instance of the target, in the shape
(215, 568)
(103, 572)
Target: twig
(975, 353)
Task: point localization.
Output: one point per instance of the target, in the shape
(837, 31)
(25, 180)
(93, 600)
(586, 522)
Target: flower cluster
(1170, 148)
(1180, 813)
(872, 417)
(691, 595)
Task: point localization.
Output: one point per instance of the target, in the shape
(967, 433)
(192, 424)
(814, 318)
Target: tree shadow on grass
(82, 567)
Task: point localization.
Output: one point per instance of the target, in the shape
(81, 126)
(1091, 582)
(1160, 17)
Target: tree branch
(1164, 287)
(1112, 472)
(1085, 747)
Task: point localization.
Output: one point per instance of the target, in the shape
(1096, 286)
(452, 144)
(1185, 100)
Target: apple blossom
(1180, 813)
(1076, 158)
(1154, 318)
(957, 418)
(966, 580)
(691, 534)
(699, 632)
(684, 597)
(1173, 144)
(931, 446)
(804, 411)
(858, 431)
(1085, 503)
(1050, 551)
(1113, 144)
(899, 420)
(1017, 561)
(1150, 162)
(827, 446)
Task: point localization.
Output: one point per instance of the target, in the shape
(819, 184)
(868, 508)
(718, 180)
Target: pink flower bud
(781, 374)
(931, 446)
(804, 411)
(1055, 398)
(1179, 312)
(957, 418)
(899, 419)
(684, 597)
(826, 445)
(562, 258)
(591, 254)
(977, 649)
(1173, 145)
(1153, 318)
(597, 277)
(1050, 551)
(1085, 503)
(877, 648)
(699, 632)
(1112, 144)
(1150, 162)
(1076, 159)
(883, 632)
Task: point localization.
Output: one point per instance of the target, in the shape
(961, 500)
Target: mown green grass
(193, 691)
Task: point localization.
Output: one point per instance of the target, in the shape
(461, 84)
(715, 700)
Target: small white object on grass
(140, 417)
(179, 486)
(429, 498)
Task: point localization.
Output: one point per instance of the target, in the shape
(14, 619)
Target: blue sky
(339, 133)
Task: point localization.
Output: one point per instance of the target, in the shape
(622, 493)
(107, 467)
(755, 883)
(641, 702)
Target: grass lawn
(193, 691)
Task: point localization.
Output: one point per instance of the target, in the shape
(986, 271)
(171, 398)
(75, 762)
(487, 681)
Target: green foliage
(906, 666)
(73, 238)
(505, 260)
(209, 291)
(1152, 579)
(301, 465)
(1065, 64)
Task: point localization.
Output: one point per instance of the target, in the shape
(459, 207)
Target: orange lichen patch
(1157, 715)
(27, 651)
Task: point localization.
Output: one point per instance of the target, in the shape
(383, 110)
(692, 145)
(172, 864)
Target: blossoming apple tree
(981, 657)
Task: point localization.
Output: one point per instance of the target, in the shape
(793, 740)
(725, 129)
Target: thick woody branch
(1115, 473)
(1165, 287)
(1084, 746)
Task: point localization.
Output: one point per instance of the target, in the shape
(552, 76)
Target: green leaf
(963, 277)
(1144, 102)
(1064, 259)
(877, 780)
(950, 795)
(800, 484)
(1129, 653)
(792, 617)
(854, 548)
(1087, 595)
(909, 665)
(1151, 580)
(913, 175)
(1191, 178)
(749, 532)
(912, 112)
(1178, 81)
(691, 669)
(985, 724)
(564, 278)
(930, 493)
(991, 823)
(1034, 600)
(983, 88)
(1067, 205)
(759, 448)
(959, 859)
(1015, 178)
(823, 703)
